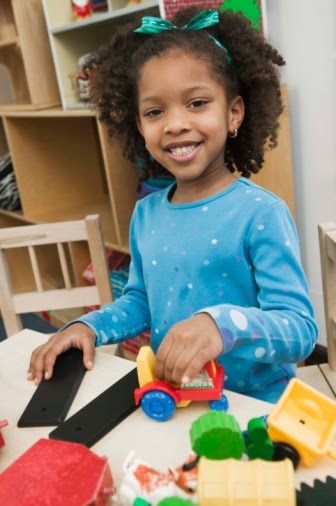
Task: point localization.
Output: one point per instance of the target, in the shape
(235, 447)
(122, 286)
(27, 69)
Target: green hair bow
(205, 19)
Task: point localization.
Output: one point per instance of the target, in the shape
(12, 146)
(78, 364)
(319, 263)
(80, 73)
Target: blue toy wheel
(158, 405)
(221, 404)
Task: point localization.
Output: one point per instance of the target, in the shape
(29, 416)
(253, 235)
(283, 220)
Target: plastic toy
(141, 502)
(175, 501)
(321, 493)
(305, 419)
(3, 423)
(245, 483)
(217, 435)
(57, 472)
(258, 443)
(159, 399)
(141, 482)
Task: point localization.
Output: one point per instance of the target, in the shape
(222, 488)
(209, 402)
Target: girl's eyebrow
(186, 91)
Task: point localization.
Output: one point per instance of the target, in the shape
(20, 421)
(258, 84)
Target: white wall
(304, 31)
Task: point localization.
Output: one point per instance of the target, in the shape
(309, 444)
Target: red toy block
(58, 473)
(3, 423)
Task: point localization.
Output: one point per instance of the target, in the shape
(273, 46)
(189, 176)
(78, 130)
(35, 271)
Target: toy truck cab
(159, 399)
(305, 419)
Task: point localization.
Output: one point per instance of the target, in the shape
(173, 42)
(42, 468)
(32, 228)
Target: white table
(162, 445)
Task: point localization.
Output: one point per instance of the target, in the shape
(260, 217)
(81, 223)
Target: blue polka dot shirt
(235, 256)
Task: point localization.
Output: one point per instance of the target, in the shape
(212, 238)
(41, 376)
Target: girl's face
(185, 118)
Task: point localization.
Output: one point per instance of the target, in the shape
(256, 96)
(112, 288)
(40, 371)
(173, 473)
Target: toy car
(304, 419)
(159, 399)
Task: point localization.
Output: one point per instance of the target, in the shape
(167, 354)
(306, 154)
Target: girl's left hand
(187, 346)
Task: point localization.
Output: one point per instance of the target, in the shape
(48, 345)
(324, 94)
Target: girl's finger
(88, 353)
(161, 356)
(195, 365)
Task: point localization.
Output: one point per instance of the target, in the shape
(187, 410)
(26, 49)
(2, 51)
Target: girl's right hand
(43, 358)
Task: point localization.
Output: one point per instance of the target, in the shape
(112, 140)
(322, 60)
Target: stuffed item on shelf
(83, 78)
(81, 9)
(9, 193)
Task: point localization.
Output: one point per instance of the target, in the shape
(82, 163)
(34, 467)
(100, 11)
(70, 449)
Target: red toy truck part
(159, 399)
(57, 473)
(3, 423)
(188, 394)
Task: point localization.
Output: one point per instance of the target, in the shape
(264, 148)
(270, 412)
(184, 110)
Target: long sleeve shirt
(235, 256)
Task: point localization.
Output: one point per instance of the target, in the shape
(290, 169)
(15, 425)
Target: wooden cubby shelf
(71, 39)
(25, 57)
(66, 168)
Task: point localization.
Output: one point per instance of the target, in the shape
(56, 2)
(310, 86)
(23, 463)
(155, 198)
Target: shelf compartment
(25, 53)
(70, 39)
(11, 59)
(60, 18)
(7, 23)
(59, 169)
(20, 266)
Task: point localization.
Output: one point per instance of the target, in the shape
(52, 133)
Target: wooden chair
(327, 240)
(323, 376)
(67, 296)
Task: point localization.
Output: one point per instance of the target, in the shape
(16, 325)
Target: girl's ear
(236, 113)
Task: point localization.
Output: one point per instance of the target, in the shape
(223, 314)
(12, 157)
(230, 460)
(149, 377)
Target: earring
(234, 134)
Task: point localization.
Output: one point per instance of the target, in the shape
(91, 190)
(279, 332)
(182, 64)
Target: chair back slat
(30, 302)
(64, 266)
(35, 268)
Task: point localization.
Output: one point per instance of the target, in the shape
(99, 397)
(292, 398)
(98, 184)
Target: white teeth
(184, 150)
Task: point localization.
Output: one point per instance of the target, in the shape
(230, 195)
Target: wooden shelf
(54, 112)
(70, 40)
(25, 53)
(118, 13)
(66, 167)
(14, 41)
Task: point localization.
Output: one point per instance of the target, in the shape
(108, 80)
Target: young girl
(215, 268)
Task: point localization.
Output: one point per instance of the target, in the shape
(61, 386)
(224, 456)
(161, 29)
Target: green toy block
(141, 502)
(175, 501)
(217, 435)
(258, 444)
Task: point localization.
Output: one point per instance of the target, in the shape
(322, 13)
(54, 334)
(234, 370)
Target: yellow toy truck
(306, 420)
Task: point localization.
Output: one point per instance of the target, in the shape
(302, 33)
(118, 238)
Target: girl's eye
(152, 113)
(198, 103)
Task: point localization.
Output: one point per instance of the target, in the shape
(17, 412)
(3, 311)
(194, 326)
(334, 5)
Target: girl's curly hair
(251, 74)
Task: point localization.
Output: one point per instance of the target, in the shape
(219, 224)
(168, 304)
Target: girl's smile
(185, 118)
(183, 152)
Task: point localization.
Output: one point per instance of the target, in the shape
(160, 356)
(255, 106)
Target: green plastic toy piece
(258, 443)
(141, 502)
(175, 501)
(217, 435)
(249, 8)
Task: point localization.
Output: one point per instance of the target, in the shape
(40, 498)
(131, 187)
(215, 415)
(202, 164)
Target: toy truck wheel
(284, 451)
(158, 405)
(221, 404)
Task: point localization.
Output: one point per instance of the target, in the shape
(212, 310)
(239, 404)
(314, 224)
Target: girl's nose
(176, 125)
